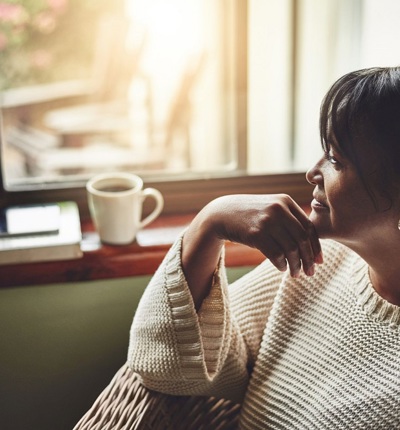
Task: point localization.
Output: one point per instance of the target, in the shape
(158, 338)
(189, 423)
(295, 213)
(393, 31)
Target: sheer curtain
(270, 85)
(297, 49)
(328, 45)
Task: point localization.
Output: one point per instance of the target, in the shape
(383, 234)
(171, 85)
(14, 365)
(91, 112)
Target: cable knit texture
(307, 353)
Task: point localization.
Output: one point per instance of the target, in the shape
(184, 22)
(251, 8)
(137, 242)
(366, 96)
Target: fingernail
(310, 271)
(319, 259)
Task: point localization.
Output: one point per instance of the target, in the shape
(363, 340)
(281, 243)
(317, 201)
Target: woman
(316, 346)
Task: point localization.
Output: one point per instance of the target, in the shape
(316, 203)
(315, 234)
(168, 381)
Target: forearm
(201, 251)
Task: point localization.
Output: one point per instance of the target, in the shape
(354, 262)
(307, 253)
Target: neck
(386, 285)
(383, 260)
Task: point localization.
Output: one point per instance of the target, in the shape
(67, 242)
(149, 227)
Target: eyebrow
(332, 143)
(336, 147)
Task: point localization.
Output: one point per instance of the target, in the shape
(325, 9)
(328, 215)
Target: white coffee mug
(115, 204)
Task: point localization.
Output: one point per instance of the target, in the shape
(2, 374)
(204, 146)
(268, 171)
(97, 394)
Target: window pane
(336, 38)
(99, 85)
(270, 85)
(297, 49)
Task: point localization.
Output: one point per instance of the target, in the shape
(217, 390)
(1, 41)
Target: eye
(329, 157)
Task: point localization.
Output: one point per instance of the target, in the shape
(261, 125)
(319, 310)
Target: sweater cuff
(214, 321)
(168, 338)
(201, 337)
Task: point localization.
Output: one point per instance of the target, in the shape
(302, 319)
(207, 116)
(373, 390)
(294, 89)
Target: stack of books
(33, 233)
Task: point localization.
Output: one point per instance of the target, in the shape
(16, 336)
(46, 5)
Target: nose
(314, 174)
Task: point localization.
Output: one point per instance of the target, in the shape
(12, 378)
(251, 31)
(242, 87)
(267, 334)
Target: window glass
(297, 49)
(96, 85)
(157, 87)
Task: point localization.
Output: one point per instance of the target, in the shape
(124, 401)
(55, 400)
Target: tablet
(28, 220)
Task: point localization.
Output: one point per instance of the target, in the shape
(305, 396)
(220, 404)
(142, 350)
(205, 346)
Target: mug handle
(152, 192)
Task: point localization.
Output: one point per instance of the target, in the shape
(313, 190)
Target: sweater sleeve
(178, 351)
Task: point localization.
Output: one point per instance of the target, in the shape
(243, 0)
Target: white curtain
(328, 46)
(269, 85)
(331, 38)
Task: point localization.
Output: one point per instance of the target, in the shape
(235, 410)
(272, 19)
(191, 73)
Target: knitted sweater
(319, 352)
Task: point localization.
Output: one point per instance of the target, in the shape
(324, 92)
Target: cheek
(351, 208)
(347, 198)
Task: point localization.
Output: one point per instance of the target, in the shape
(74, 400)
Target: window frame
(189, 194)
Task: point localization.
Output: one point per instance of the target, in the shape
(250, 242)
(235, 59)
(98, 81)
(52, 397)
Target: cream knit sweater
(308, 353)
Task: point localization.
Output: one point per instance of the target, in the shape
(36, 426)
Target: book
(64, 243)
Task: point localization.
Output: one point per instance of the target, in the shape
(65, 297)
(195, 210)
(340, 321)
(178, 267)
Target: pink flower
(45, 22)
(13, 13)
(58, 6)
(3, 41)
(41, 59)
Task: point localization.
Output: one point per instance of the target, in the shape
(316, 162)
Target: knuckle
(279, 263)
(292, 249)
(276, 256)
(295, 266)
(278, 205)
(254, 233)
(274, 208)
(303, 238)
(284, 197)
(266, 220)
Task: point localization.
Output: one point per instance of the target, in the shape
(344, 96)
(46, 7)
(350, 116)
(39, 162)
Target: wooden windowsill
(102, 261)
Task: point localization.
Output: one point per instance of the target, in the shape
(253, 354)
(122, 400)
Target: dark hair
(360, 114)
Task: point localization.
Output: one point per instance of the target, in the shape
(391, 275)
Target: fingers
(310, 235)
(288, 251)
(315, 243)
(301, 248)
(274, 224)
(274, 252)
(283, 251)
(295, 243)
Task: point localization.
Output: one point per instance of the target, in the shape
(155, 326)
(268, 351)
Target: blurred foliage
(50, 40)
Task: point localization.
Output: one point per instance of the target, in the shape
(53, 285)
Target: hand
(274, 224)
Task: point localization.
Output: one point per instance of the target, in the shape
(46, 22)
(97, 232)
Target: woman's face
(342, 209)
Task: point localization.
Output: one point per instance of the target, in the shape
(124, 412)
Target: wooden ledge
(102, 261)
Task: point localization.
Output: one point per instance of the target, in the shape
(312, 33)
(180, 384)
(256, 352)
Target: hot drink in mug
(116, 202)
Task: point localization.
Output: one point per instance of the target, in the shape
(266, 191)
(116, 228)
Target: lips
(318, 202)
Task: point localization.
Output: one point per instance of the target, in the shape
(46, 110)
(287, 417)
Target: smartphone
(28, 220)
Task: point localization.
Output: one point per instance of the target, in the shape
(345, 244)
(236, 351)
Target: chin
(322, 227)
(323, 234)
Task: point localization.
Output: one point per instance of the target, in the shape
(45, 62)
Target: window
(297, 49)
(200, 97)
(141, 85)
